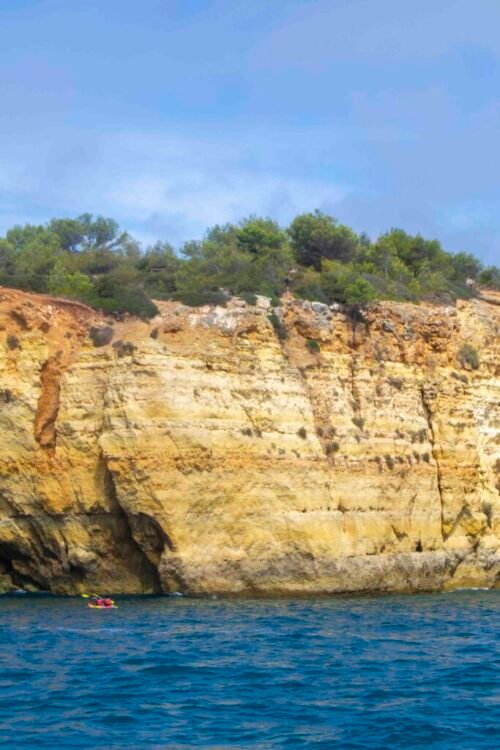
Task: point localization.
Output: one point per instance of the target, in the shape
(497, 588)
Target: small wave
(90, 631)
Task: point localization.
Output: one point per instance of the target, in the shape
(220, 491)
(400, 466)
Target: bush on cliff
(468, 356)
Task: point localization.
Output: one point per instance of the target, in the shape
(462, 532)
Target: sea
(382, 673)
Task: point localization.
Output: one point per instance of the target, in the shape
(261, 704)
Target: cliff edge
(301, 449)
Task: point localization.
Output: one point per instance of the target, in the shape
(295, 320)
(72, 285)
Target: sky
(174, 115)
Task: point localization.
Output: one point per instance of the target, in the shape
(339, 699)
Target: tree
(100, 233)
(490, 277)
(253, 257)
(416, 252)
(70, 233)
(86, 233)
(159, 265)
(19, 237)
(465, 266)
(260, 235)
(34, 262)
(7, 259)
(359, 292)
(383, 255)
(316, 236)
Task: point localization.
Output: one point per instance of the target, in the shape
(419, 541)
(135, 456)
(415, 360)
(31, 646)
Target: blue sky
(172, 115)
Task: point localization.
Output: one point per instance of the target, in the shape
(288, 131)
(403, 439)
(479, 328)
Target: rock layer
(247, 450)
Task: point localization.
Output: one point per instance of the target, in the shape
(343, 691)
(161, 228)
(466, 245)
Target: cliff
(242, 450)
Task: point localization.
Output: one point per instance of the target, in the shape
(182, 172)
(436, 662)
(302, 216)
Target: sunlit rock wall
(247, 450)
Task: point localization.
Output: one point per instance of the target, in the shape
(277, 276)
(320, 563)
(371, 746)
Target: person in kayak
(102, 602)
(99, 601)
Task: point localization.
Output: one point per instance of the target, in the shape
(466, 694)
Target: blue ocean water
(378, 672)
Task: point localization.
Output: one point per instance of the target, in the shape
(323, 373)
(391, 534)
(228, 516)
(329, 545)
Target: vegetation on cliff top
(90, 259)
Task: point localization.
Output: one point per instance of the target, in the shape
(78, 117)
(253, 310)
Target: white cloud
(154, 183)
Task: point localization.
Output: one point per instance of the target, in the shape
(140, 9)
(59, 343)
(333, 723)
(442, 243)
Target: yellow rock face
(216, 450)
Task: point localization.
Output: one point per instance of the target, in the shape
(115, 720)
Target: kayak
(100, 606)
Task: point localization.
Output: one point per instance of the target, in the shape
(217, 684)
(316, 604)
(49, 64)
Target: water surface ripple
(378, 672)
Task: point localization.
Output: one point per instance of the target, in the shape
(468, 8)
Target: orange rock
(217, 456)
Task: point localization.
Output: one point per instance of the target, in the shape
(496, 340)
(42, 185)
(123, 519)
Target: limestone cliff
(244, 450)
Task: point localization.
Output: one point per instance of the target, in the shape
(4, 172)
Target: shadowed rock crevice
(435, 454)
(139, 528)
(43, 553)
(48, 403)
(15, 567)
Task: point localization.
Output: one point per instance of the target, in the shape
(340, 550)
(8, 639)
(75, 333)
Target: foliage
(332, 447)
(279, 327)
(92, 260)
(359, 292)
(313, 346)
(158, 266)
(65, 283)
(359, 422)
(469, 356)
(12, 341)
(124, 348)
(490, 277)
(316, 236)
(101, 336)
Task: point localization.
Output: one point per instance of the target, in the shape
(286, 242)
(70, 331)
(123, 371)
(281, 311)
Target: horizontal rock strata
(248, 449)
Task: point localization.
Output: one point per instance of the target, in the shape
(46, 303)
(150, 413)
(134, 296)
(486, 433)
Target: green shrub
(332, 447)
(124, 348)
(12, 342)
(459, 376)
(200, 297)
(396, 383)
(420, 436)
(359, 292)
(101, 336)
(133, 301)
(249, 297)
(468, 356)
(65, 283)
(278, 326)
(313, 346)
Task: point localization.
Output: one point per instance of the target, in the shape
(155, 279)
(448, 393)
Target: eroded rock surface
(245, 450)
